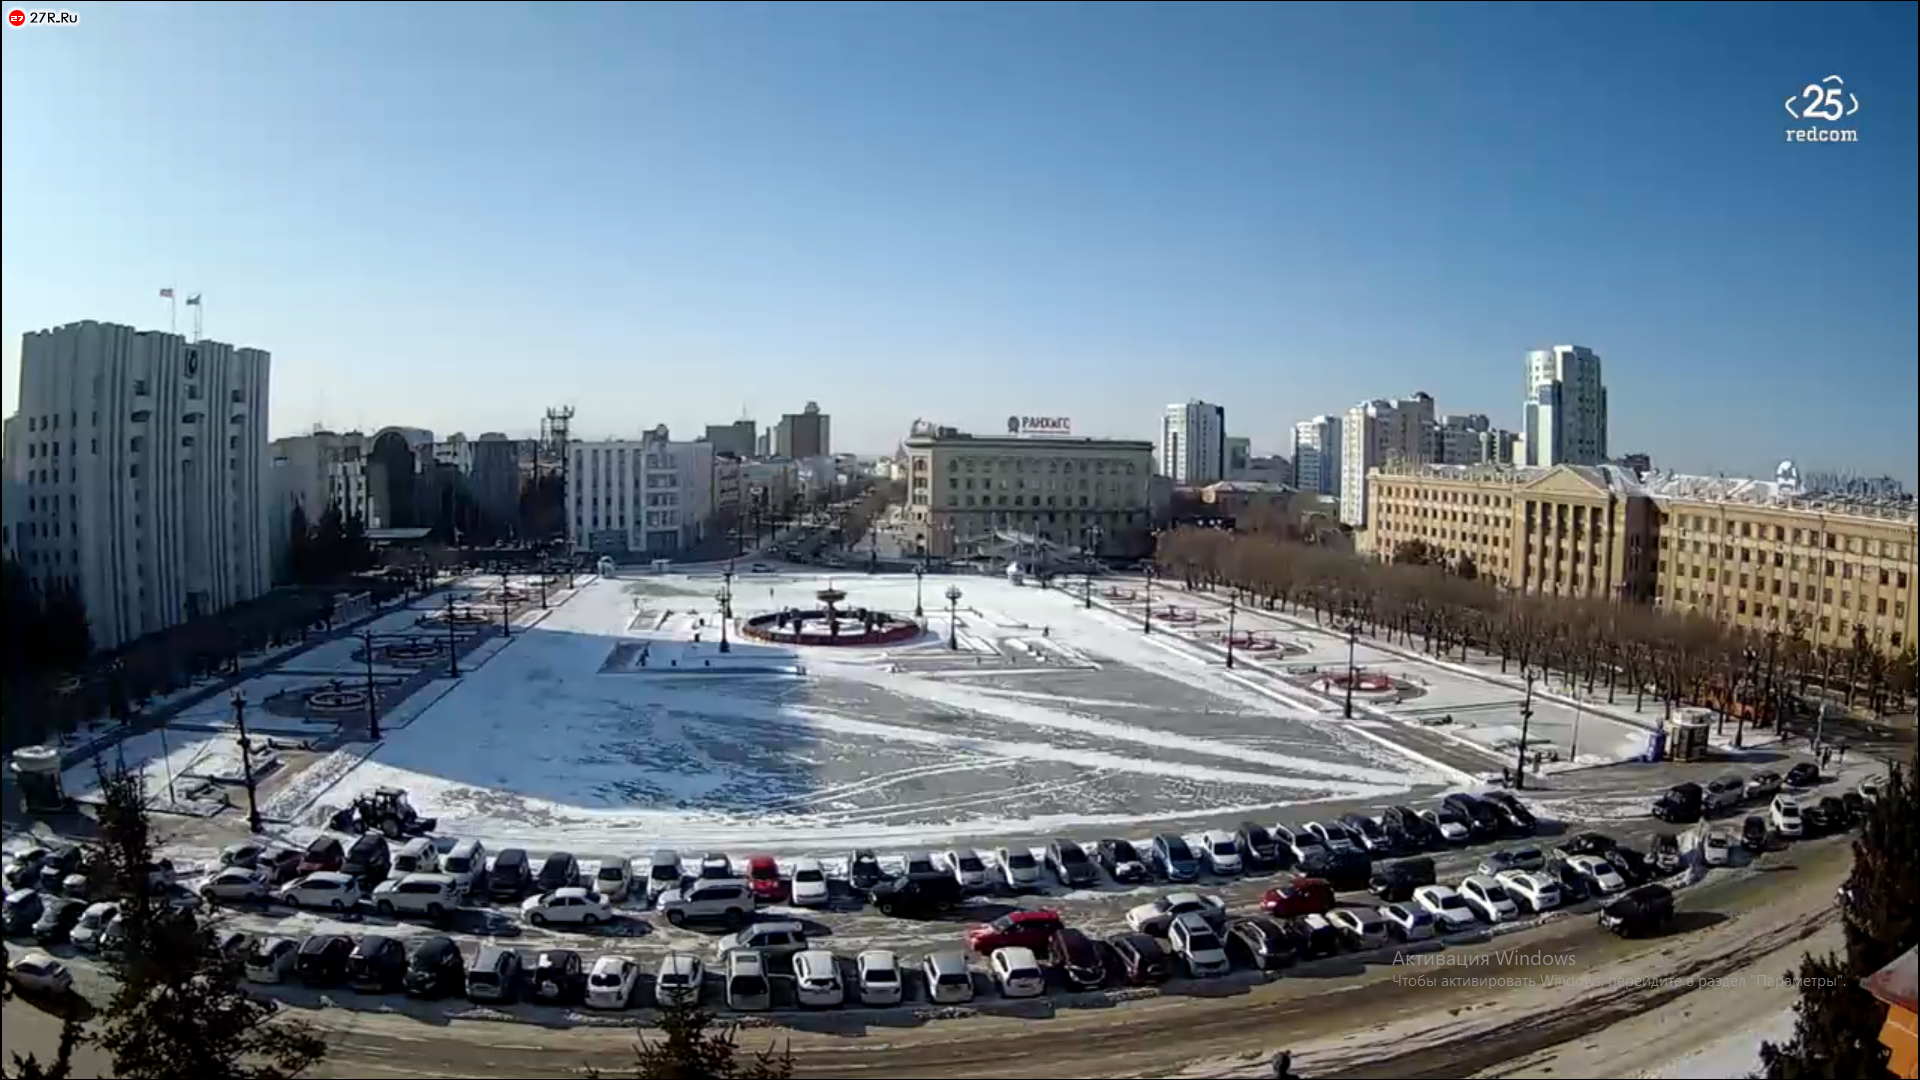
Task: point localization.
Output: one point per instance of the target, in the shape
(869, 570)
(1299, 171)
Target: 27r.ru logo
(20, 17)
(16, 17)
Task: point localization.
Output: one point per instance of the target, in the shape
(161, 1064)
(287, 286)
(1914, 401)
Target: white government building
(135, 468)
(648, 496)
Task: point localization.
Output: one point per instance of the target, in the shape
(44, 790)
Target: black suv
(1341, 869)
(863, 869)
(1681, 804)
(1077, 958)
(437, 969)
(322, 960)
(1120, 860)
(556, 976)
(1142, 959)
(1644, 910)
(914, 898)
(368, 859)
(1479, 814)
(1070, 864)
(1407, 829)
(1513, 813)
(1395, 881)
(1257, 848)
(378, 965)
(559, 871)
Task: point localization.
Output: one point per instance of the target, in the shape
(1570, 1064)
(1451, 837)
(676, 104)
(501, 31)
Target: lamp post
(919, 573)
(1233, 608)
(453, 647)
(1353, 638)
(373, 700)
(726, 606)
(246, 759)
(1740, 720)
(1146, 624)
(506, 608)
(1773, 711)
(543, 583)
(953, 618)
(1526, 719)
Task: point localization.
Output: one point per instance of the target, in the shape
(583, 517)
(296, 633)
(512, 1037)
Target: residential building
(300, 472)
(142, 461)
(1377, 433)
(805, 434)
(398, 461)
(1496, 447)
(1272, 469)
(963, 490)
(1455, 439)
(1193, 443)
(1565, 408)
(738, 438)
(649, 496)
(728, 505)
(1317, 449)
(495, 484)
(769, 487)
(1756, 554)
(1242, 498)
(1239, 457)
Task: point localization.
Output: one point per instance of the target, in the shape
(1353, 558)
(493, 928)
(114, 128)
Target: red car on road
(763, 877)
(1028, 929)
(1301, 896)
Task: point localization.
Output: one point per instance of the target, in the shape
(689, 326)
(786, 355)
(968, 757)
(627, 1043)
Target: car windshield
(610, 978)
(1419, 918)
(1789, 810)
(766, 872)
(1224, 847)
(457, 864)
(955, 979)
(610, 873)
(882, 975)
(749, 985)
(920, 866)
(971, 864)
(1448, 817)
(1452, 902)
(1072, 855)
(1201, 942)
(482, 978)
(1177, 849)
(662, 872)
(811, 875)
(1496, 894)
(1600, 869)
(1021, 860)
(1024, 973)
(667, 978)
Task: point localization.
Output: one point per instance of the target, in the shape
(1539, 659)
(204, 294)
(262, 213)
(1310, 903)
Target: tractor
(384, 810)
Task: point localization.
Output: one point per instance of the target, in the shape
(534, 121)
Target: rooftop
(1680, 487)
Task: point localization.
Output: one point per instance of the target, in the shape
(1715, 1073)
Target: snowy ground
(1048, 716)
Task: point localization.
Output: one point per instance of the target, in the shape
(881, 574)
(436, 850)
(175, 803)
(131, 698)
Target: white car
(432, 895)
(1154, 917)
(948, 980)
(572, 904)
(967, 869)
(816, 979)
(678, 979)
(323, 889)
(1407, 922)
(1489, 898)
(1449, 911)
(879, 977)
(747, 986)
(1017, 972)
(613, 879)
(38, 971)
(1332, 837)
(761, 568)
(1196, 941)
(768, 938)
(610, 984)
(809, 885)
(1534, 891)
(1221, 851)
(270, 959)
(1020, 869)
(1301, 842)
(1716, 849)
(1869, 789)
(1599, 871)
(1362, 927)
(1784, 815)
(236, 884)
(1450, 827)
(416, 856)
(244, 853)
(93, 923)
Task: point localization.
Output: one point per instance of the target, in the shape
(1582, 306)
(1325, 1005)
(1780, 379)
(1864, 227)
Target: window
(1880, 606)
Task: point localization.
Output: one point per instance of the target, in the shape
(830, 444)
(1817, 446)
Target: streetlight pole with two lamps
(953, 618)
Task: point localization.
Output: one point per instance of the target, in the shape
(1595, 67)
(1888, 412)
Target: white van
(747, 987)
(417, 856)
(816, 979)
(466, 863)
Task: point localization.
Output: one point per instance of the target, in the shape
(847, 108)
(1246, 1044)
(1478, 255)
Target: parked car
(1448, 908)
(1785, 815)
(568, 905)
(58, 916)
(1313, 936)
(1301, 896)
(1016, 972)
(1143, 960)
(1396, 880)
(1483, 822)
(1299, 842)
(1666, 852)
(1257, 849)
(22, 909)
(432, 895)
(1407, 922)
(879, 974)
(1716, 849)
(1646, 909)
(919, 865)
(237, 885)
(40, 972)
(377, 965)
(1018, 868)
(436, 968)
(613, 978)
(1725, 793)
(947, 978)
(511, 876)
(559, 870)
(1078, 959)
(1172, 859)
(323, 959)
(271, 959)
(663, 872)
(1587, 843)
(368, 860)
(679, 979)
(417, 856)
(1120, 860)
(1514, 815)
(1599, 871)
(1764, 784)
(1363, 928)
(1832, 808)
(1222, 852)
(747, 987)
(716, 866)
(1681, 803)
(1331, 837)
(1753, 833)
(863, 869)
(1448, 825)
(771, 939)
(23, 869)
(1348, 869)
(93, 922)
(908, 898)
(764, 880)
(1573, 886)
(557, 976)
(1366, 833)
(1521, 858)
(324, 853)
(1855, 803)
(244, 853)
(612, 879)
(727, 902)
(1259, 943)
(968, 869)
(816, 979)
(1488, 898)
(325, 889)
(1805, 774)
(1155, 916)
(1407, 829)
(1531, 889)
(1026, 929)
(1196, 941)
(466, 862)
(493, 974)
(1069, 863)
(230, 944)
(62, 862)
(809, 887)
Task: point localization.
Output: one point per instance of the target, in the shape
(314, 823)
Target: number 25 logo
(1822, 102)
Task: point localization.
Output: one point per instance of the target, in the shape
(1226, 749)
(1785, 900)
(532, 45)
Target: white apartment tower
(1316, 455)
(631, 496)
(1193, 444)
(1377, 433)
(1565, 409)
(141, 458)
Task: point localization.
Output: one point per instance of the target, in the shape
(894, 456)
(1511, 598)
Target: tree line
(1419, 598)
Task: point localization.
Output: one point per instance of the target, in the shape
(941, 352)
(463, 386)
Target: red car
(763, 877)
(1031, 929)
(1301, 896)
(325, 853)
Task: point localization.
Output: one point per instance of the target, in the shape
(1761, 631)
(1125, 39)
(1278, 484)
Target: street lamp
(1146, 625)
(246, 760)
(919, 572)
(1233, 607)
(953, 617)
(373, 700)
(1526, 719)
(1353, 638)
(725, 597)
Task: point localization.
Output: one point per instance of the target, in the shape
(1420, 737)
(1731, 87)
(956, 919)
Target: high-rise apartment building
(495, 484)
(1376, 433)
(1239, 457)
(1193, 444)
(1565, 408)
(141, 458)
(1455, 439)
(630, 496)
(739, 438)
(1317, 450)
(805, 434)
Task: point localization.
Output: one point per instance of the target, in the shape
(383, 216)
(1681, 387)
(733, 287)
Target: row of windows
(1445, 495)
(1806, 537)
(1033, 464)
(599, 458)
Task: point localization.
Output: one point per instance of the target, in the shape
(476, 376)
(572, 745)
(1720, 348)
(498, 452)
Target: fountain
(829, 625)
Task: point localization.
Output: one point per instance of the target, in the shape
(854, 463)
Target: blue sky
(454, 216)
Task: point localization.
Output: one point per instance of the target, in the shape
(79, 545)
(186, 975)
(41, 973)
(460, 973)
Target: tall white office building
(1316, 455)
(1377, 433)
(648, 496)
(1193, 444)
(1565, 409)
(141, 458)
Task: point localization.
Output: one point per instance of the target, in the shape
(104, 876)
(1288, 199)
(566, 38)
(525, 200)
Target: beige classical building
(963, 490)
(1756, 554)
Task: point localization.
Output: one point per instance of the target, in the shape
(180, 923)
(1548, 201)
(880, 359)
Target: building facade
(1317, 450)
(1565, 408)
(495, 484)
(1755, 554)
(962, 491)
(301, 471)
(1376, 433)
(141, 458)
(649, 496)
(1496, 447)
(805, 434)
(1239, 457)
(739, 438)
(1193, 444)
(1455, 439)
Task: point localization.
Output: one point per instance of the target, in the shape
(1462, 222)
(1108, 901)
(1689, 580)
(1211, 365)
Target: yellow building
(1752, 553)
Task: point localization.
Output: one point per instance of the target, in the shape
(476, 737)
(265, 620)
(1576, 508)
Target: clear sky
(453, 216)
